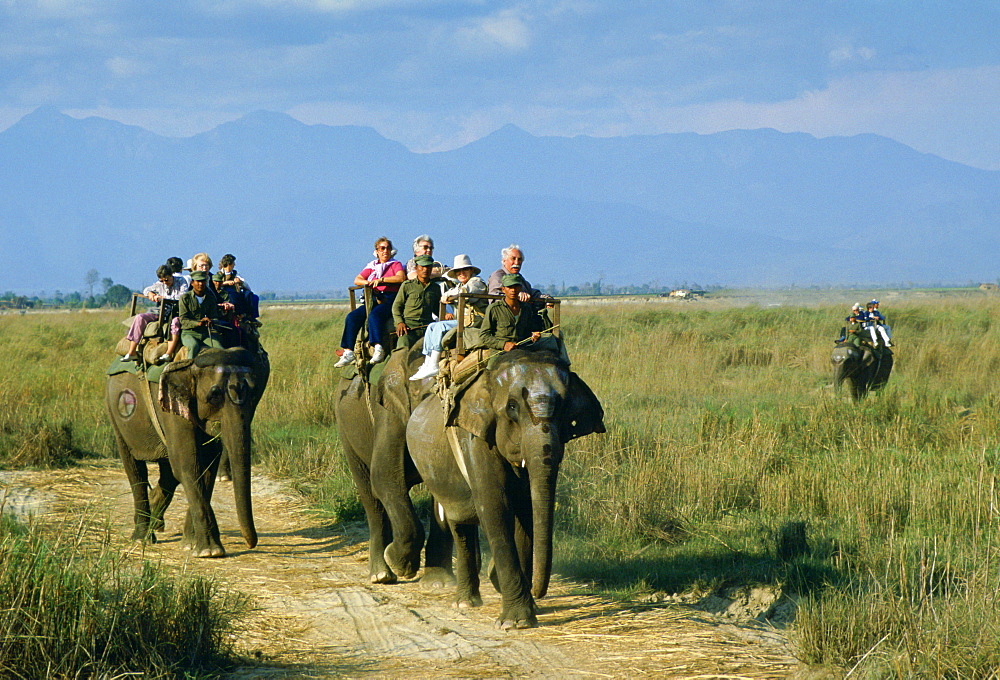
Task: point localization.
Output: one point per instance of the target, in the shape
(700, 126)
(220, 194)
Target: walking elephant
(493, 461)
(861, 369)
(371, 422)
(168, 423)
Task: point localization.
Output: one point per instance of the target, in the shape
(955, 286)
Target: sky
(438, 74)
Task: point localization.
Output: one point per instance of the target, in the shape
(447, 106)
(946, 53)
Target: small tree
(107, 283)
(89, 279)
(118, 295)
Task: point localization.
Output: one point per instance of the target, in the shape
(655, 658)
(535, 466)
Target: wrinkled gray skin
(512, 425)
(860, 370)
(220, 385)
(372, 430)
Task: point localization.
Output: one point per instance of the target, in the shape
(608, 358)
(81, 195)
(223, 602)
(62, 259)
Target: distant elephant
(219, 385)
(371, 422)
(862, 369)
(509, 427)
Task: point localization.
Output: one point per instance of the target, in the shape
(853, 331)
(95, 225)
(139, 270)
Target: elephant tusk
(524, 463)
(441, 511)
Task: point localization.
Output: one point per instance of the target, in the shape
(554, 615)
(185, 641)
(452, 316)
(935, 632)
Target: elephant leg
(467, 565)
(196, 467)
(138, 479)
(391, 481)
(379, 530)
(437, 553)
(162, 494)
(491, 480)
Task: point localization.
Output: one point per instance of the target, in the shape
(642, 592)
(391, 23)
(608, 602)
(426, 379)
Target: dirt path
(317, 617)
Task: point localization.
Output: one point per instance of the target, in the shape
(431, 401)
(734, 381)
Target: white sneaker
(129, 357)
(378, 354)
(425, 371)
(345, 358)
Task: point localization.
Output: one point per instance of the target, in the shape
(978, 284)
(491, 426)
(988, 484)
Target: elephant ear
(474, 410)
(584, 413)
(177, 390)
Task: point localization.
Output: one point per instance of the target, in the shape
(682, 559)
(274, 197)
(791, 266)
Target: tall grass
(71, 612)
(728, 460)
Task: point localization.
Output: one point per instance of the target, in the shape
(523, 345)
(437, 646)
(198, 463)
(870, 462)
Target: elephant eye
(512, 409)
(216, 394)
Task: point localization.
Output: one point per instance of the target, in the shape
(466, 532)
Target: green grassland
(728, 459)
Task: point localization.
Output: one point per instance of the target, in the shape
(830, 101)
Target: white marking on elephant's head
(232, 369)
(543, 390)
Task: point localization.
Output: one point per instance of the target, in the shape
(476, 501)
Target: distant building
(989, 286)
(685, 294)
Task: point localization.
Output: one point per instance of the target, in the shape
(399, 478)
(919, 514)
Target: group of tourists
(866, 325)
(412, 294)
(202, 309)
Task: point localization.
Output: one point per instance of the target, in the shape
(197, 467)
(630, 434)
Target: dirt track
(317, 617)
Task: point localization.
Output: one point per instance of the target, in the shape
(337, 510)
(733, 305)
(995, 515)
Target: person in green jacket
(417, 303)
(198, 309)
(510, 321)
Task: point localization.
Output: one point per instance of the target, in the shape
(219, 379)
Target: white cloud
(849, 53)
(507, 31)
(123, 67)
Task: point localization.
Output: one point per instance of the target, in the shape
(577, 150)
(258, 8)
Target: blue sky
(437, 74)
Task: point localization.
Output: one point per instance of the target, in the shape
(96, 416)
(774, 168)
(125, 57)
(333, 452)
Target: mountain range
(300, 205)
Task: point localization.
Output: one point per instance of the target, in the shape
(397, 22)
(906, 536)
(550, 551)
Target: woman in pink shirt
(383, 275)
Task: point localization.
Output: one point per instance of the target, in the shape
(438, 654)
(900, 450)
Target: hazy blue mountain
(300, 205)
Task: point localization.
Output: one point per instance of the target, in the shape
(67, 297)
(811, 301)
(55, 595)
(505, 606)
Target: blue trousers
(356, 318)
(435, 334)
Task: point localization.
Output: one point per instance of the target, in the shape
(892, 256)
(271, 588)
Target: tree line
(110, 294)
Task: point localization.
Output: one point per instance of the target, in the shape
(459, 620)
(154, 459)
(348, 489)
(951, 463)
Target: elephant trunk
(542, 475)
(236, 438)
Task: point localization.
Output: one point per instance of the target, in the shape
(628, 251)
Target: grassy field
(728, 459)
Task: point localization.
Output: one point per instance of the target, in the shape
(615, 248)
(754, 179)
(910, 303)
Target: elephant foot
(516, 624)
(435, 578)
(144, 534)
(384, 577)
(206, 551)
(518, 616)
(405, 567)
(468, 602)
(209, 552)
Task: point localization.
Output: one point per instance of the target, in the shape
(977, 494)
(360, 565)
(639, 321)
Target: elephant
(371, 420)
(492, 461)
(167, 423)
(863, 369)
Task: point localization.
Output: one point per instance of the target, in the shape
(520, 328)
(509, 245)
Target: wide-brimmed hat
(463, 261)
